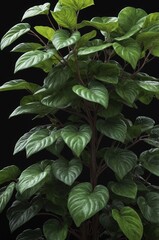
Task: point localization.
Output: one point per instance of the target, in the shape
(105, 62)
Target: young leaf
(84, 202)
(76, 139)
(129, 222)
(45, 31)
(77, 4)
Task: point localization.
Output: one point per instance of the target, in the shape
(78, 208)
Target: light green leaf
(114, 128)
(67, 171)
(32, 58)
(40, 140)
(62, 38)
(121, 161)
(5, 195)
(30, 234)
(128, 17)
(9, 173)
(149, 206)
(129, 222)
(66, 17)
(13, 34)
(76, 139)
(84, 202)
(21, 212)
(150, 160)
(36, 10)
(77, 4)
(32, 179)
(129, 50)
(45, 31)
(95, 93)
(125, 188)
(54, 229)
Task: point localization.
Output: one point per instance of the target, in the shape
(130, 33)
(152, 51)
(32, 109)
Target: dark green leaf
(54, 229)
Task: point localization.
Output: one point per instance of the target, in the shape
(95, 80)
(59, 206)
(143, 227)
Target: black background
(12, 128)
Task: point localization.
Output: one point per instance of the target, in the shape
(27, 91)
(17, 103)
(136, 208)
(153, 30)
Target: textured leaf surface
(76, 139)
(9, 173)
(129, 223)
(121, 161)
(14, 33)
(36, 10)
(76, 4)
(96, 93)
(67, 171)
(30, 234)
(5, 195)
(84, 202)
(149, 206)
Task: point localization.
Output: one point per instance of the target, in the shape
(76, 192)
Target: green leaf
(108, 72)
(150, 86)
(26, 47)
(21, 212)
(95, 93)
(66, 17)
(93, 49)
(37, 10)
(76, 139)
(54, 229)
(129, 50)
(125, 188)
(114, 128)
(62, 38)
(45, 31)
(5, 195)
(77, 4)
(129, 222)
(129, 17)
(9, 173)
(121, 161)
(150, 160)
(145, 123)
(32, 179)
(127, 90)
(67, 171)
(32, 58)
(84, 202)
(13, 34)
(40, 140)
(30, 234)
(19, 84)
(149, 206)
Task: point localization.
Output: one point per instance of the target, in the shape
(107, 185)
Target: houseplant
(94, 70)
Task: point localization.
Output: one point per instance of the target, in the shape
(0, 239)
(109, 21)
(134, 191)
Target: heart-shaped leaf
(84, 201)
(76, 139)
(54, 229)
(67, 171)
(96, 93)
(129, 222)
